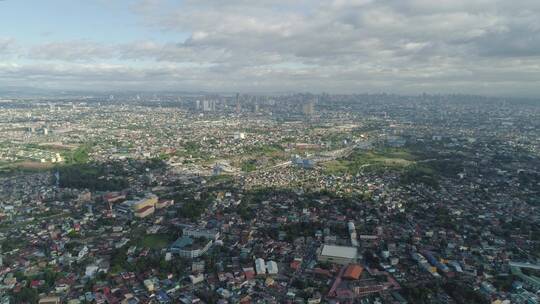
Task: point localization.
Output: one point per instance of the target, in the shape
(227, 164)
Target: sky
(486, 47)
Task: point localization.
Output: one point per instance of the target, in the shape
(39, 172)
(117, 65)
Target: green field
(249, 165)
(336, 167)
(79, 155)
(24, 166)
(389, 158)
(156, 241)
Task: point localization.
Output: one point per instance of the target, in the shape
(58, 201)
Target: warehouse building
(337, 254)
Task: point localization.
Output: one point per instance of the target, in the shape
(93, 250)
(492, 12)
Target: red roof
(249, 273)
(295, 264)
(353, 272)
(142, 210)
(35, 283)
(321, 271)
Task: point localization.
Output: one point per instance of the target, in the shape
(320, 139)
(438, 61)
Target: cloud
(343, 28)
(7, 45)
(71, 51)
(440, 76)
(338, 46)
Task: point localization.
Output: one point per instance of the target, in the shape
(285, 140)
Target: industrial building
(188, 247)
(138, 208)
(353, 272)
(337, 254)
(164, 203)
(210, 234)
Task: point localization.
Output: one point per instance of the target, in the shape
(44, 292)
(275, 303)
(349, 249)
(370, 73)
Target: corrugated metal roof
(339, 251)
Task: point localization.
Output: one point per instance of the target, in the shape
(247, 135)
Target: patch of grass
(388, 158)
(79, 155)
(191, 149)
(266, 150)
(249, 166)
(24, 166)
(336, 166)
(55, 147)
(222, 178)
(156, 241)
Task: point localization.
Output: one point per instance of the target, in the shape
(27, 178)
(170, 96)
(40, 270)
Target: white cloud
(70, 51)
(7, 45)
(340, 45)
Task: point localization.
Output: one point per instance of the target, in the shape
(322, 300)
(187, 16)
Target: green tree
(26, 295)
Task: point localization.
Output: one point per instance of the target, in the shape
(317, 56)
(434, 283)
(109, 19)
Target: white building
(82, 253)
(200, 232)
(352, 234)
(149, 284)
(272, 267)
(196, 278)
(186, 247)
(260, 266)
(91, 270)
(337, 254)
(239, 135)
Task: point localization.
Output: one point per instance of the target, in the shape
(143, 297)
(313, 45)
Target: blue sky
(489, 47)
(35, 21)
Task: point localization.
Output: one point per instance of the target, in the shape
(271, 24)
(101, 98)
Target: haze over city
(268, 152)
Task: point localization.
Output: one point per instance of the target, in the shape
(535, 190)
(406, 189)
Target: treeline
(91, 176)
(194, 209)
(429, 173)
(154, 261)
(419, 174)
(109, 176)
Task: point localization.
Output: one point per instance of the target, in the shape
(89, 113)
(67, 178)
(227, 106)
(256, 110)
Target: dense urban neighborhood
(291, 198)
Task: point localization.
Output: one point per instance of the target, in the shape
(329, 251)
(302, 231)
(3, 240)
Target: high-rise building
(207, 107)
(309, 108)
(238, 106)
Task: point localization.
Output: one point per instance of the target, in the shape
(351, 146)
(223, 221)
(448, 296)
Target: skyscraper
(309, 108)
(207, 107)
(238, 106)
